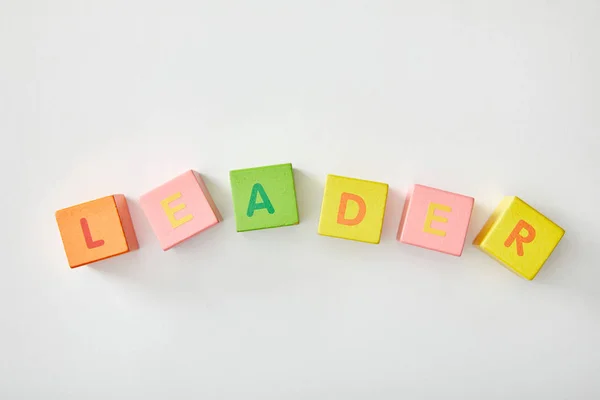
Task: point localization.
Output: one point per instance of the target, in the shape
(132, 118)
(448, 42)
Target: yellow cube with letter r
(353, 209)
(519, 236)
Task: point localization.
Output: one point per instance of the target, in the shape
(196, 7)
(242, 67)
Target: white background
(484, 98)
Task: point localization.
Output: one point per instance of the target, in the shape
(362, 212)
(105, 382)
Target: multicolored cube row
(516, 234)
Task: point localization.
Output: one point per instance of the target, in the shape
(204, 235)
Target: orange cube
(96, 230)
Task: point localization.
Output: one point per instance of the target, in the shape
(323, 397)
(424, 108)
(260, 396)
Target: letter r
(515, 236)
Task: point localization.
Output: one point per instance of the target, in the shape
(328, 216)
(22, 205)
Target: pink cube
(435, 219)
(179, 209)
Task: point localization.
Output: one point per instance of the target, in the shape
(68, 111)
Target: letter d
(362, 209)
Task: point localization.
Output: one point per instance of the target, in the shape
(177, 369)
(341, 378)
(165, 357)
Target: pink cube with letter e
(180, 209)
(435, 219)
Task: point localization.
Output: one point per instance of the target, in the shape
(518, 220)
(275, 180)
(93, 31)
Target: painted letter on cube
(264, 197)
(96, 230)
(435, 219)
(180, 209)
(353, 209)
(519, 237)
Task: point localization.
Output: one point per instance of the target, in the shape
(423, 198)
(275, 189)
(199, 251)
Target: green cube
(264, 197)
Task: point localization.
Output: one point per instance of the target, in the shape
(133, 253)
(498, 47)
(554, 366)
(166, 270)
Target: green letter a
(253, 206)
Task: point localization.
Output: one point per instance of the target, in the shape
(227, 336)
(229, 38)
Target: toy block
(353, 209)
(180, 209)
(264, 197)
(96, 230)
(435, 219)
(519, 237)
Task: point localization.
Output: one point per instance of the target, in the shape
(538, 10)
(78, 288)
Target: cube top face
(353, 209)
(436, 220)
(519, 236)
(264, 197)
(96, 230)
(179, 209)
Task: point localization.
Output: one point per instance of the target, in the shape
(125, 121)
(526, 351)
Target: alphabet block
(264, 197)
(180, 209)
(435, 219)
(353, 209)
(96, 230)
(519, 236)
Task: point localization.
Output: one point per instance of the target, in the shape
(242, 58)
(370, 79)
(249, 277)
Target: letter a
(253, 205)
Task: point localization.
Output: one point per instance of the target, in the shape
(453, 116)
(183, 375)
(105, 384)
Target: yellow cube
(353, 209)
(519, 236)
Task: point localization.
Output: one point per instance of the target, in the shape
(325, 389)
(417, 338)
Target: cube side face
(208, 196)
(353, 209)
(492, 220)
(522, 239)
(404, 214)
(126, 222)
(178, 210)
(264, 197)
(436, 220)
(91, 231)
